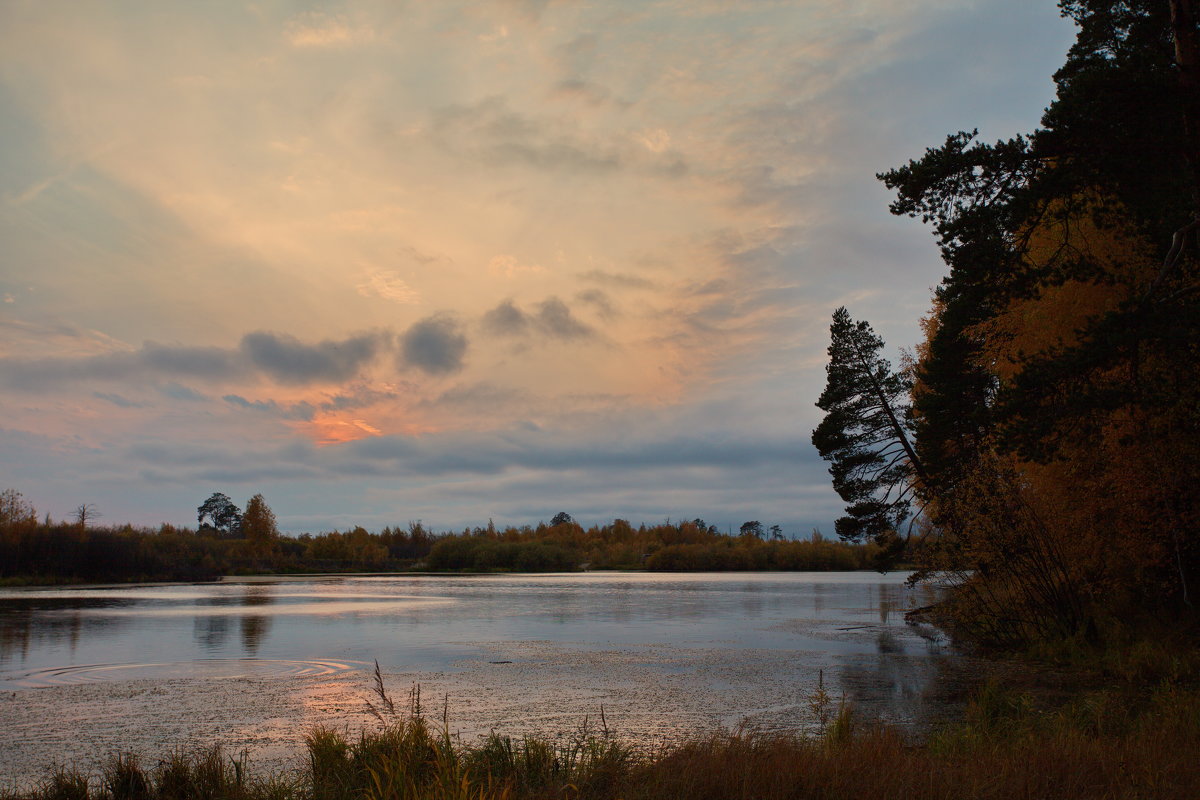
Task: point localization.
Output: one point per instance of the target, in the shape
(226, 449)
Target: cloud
(289, 361)
(281, 357)
(196, 362)
(509, 267)
(556, 320)
(435, 345)
(506, 320)
(655, 140)
(318, 30)
(492, 133)
(388, 285)
(488, 131)
(479, 399)
(51, 338)
(256, 405)
(489, 454)
(357, 397)
(616, 279)
(551, 320)
(118, 400)
(298, 411)
(500, 32)
(32, 375)
(600, 301)
(177, 391)
(591, 93)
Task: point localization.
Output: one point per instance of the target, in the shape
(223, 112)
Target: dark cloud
(195, 362)
(358, 397)
(253, 405)
(556, 320)
(33, 375)
(177, 391)
(278, 356)
(600, 301)
(289, 361)
(298, 411)
(435, 345)
(552, 319)
(506, 320)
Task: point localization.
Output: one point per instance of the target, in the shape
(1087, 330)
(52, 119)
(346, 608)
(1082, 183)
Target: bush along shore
(1113, 742)
(34, 551)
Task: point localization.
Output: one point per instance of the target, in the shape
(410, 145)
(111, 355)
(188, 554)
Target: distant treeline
(685, 546)
(44, 551)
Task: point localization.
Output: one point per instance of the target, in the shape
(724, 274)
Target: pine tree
(866, 435)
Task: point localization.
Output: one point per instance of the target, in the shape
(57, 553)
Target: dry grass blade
(386, 711)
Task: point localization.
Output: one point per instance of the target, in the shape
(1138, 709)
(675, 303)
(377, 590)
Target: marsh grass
(1106, 743)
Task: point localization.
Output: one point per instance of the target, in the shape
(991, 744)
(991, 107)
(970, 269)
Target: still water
(256, 662)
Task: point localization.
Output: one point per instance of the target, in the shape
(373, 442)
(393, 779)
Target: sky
(446, 261)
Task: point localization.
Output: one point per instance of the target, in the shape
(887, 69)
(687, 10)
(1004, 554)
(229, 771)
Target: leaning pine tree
(866, 436)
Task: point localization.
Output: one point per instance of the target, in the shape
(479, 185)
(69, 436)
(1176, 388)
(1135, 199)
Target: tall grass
(1103, 744)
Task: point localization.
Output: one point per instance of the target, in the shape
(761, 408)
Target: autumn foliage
(1056, 396)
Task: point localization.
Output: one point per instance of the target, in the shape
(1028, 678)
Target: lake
(255, 662)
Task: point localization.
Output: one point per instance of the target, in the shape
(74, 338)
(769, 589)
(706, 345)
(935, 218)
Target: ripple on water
(199, 668)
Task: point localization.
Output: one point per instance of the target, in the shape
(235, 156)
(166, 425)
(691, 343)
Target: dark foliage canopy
(221, 513)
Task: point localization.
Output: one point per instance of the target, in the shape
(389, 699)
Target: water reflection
(662, 652)
(441, 623)
(886, 643)
(211, 633)
(255, 626)
(752, 600)
(254, 629)
(30, 621)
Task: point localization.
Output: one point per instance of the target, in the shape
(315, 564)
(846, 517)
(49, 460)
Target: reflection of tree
(818, 599)
(211, 632)
(25, 623)
(254, 630)
(891, 684)
(886, 643)
(259, 595)
(14, 635)
(255, 627)
(752, 600)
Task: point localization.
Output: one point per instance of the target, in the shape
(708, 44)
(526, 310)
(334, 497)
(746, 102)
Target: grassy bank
(1114, 742)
